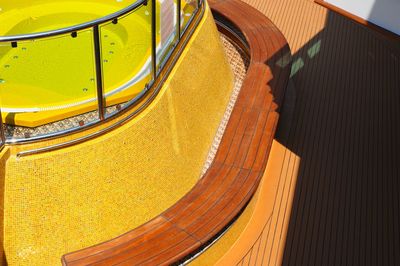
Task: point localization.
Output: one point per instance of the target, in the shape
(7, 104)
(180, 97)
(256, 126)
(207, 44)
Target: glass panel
(45, 82)
(188, 9)
(126, 57)
(167, 31)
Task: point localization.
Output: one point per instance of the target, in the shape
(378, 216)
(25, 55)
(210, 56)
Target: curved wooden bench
(234, 175)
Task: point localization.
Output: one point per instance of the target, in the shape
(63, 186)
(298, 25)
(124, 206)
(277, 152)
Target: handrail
(156, 67)
(94, 24)
(157, 87)
(79, 27)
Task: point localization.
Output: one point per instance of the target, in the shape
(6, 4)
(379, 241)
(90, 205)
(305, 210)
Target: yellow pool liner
(52, 79)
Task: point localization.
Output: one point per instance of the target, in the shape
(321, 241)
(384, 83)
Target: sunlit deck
(342, 119)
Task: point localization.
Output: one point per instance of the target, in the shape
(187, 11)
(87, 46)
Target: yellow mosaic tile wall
(68, 199)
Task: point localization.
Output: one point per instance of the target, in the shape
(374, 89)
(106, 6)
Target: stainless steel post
(179, 7)
(99, 72)
(2, 134)
(153, 38)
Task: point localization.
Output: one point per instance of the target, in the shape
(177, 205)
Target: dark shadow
(344, 124)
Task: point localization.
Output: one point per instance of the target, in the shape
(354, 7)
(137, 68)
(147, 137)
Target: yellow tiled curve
(72, 198)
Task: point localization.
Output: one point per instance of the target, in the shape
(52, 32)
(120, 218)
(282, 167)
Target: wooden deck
(345, 129)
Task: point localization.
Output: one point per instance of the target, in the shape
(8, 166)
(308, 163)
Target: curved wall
(68, 199)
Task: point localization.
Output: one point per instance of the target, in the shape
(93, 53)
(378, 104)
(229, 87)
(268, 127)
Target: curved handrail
(71, 29)
(95, 25)
(147, 95)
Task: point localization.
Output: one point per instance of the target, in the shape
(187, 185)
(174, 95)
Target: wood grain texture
(235, 173)
(345, 129)
(267, 247)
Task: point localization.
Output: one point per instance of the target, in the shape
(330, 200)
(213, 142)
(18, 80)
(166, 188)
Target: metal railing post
(99, 72)
(154, 38)
(2, 134)
(178, 20)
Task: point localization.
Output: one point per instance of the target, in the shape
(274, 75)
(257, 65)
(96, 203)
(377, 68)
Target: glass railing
(59, 81)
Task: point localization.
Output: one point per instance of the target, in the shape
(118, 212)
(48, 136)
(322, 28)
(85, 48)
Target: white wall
(384, 13)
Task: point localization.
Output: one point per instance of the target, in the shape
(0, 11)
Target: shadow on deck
(345, 127)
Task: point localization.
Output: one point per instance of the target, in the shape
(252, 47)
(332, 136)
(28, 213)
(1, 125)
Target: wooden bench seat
(235, 173)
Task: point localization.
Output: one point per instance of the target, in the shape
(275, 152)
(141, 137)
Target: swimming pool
(47, 79)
